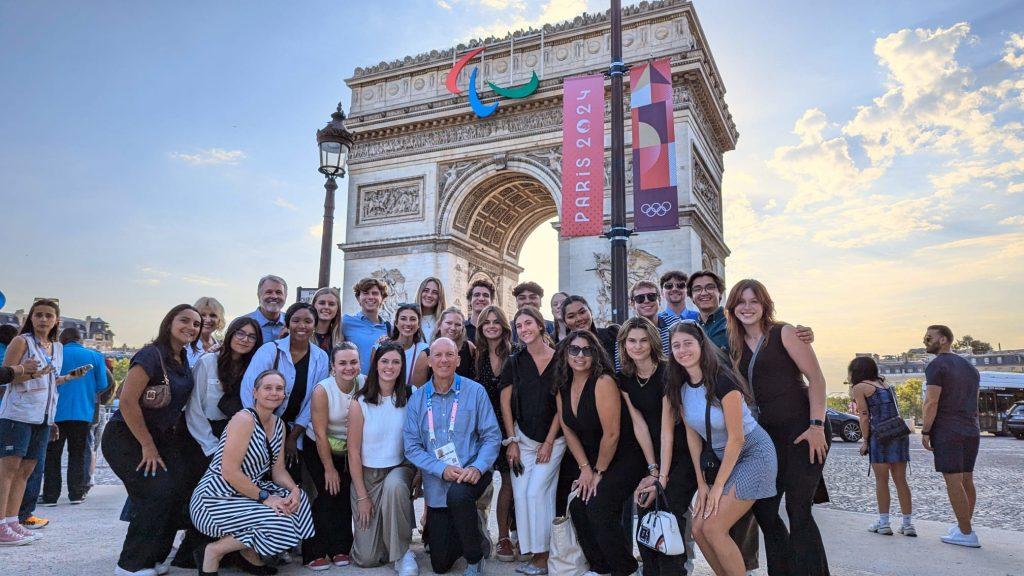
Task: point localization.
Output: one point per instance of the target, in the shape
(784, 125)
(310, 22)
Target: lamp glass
(333, 157)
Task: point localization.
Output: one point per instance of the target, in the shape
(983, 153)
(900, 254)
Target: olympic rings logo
(655, 209)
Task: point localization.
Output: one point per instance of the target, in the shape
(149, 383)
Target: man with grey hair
(455, 449)
(272, 292)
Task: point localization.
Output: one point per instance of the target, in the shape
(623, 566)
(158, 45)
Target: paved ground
(85, 539)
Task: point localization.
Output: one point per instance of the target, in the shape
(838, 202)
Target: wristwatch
(263, 496)
(926, 432)
(816, 422)
(510, 440)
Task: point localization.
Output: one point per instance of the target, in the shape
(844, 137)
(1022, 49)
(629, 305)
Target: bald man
(452, 436)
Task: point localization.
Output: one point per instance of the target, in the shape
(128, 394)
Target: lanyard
(430, 410)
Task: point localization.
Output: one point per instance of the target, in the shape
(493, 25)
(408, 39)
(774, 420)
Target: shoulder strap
(892, 394)
(277, 355)
(163, 368)
(707, 417)
(750, 367)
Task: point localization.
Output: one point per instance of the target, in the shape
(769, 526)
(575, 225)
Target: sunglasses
(575, 350)
(641, 298)
(673, 286)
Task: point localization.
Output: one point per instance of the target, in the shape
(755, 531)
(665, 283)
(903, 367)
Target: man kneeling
(452, 436)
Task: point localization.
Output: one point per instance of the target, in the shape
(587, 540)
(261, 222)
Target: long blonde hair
(440, 319)
(441, 305)
(334, 328)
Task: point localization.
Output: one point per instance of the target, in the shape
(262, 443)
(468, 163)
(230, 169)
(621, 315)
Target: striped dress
(218, 510)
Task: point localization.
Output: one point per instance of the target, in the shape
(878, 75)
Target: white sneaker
(118, 571)
(960, 539)
(407, 566)
(907, 530)
(879, 528)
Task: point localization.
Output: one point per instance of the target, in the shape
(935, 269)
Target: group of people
(310, 428)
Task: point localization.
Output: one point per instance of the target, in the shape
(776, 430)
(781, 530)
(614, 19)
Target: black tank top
(778, 385)
(586, 423)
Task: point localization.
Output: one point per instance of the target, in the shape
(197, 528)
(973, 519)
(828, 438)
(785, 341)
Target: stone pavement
(85, 540)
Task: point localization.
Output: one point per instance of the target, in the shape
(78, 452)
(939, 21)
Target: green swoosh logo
(517, 92)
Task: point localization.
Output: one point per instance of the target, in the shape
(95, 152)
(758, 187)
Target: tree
(838, 401)
(909, 398)
(976, 346)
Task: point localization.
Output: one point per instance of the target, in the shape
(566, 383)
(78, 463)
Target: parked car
(846, 426)
(1014, 421)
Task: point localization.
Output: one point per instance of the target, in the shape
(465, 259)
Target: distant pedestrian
(273, 293)
(876, 402)
(75, 407)
(951, 428)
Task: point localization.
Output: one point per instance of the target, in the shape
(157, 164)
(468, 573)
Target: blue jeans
(32, 488)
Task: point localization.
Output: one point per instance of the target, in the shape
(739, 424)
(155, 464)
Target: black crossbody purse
(709, 461)
(892, 428)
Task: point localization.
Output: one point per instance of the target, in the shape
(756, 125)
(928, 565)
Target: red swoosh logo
(453, 76)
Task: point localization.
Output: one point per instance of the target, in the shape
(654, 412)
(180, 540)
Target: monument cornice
(426, 243)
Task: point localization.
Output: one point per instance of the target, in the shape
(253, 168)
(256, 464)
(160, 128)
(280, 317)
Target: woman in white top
(407, 332)
(212, 313)
(430, 297)
(381, 478)
(326, 456)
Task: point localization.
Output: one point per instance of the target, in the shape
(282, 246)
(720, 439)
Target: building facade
(898, 368)
(96, 332)
(436, 191)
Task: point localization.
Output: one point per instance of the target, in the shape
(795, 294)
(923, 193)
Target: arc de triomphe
(436, 191)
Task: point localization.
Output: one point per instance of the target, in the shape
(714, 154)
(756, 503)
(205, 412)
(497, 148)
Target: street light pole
(326, 238)
(618, 234)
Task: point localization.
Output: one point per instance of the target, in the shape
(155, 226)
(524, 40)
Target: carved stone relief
(397, 293)
(705, 189)
(641, 265)
(395, 201)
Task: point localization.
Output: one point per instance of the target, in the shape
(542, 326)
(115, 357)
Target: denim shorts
(28, 441)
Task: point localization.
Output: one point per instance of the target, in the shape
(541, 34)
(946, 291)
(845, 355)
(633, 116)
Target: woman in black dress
(599, 434)
(493, 346)
(643, 381)
(775, 361)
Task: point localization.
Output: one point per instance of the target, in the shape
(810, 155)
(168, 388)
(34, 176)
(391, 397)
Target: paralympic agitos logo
(482, 110)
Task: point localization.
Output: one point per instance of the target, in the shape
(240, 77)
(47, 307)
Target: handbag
(659, 529)
(339, 446)
(157, 396)
(566, 557)
(709, 461)
(892, 428)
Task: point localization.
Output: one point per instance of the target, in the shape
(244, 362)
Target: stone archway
(436, 191)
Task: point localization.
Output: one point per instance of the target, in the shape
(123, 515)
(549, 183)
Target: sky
(154, 153)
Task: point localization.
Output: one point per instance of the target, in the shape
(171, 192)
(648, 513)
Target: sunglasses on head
(575, 350)
(641, 298)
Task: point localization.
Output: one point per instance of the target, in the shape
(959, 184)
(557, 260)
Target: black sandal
(198, 555)
(256, 569)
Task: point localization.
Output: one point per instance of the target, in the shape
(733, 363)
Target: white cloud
(316, 230)
(281, 202)
(150, 276)
(443, 4)
(512, 15)
(1014, 54)
(210, 156)
(203, 280)
(1013, 221)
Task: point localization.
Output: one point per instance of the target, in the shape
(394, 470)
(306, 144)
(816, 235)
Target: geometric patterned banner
(583, 156)
(655, 200)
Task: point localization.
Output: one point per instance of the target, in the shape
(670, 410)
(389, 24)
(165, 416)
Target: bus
(997, 393)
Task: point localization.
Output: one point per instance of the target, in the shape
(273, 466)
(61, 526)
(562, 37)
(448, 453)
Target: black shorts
(954, 452)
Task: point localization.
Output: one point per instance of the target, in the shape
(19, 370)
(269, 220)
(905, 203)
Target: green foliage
(908, 396)
(976, 346)
(120, 370)
(839, 401)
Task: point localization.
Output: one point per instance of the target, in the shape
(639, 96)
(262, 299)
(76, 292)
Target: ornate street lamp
(335, 142)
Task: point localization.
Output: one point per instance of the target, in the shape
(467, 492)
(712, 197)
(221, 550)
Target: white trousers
(534, 492)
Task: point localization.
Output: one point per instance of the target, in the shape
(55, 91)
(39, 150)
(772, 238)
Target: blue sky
(156, 152)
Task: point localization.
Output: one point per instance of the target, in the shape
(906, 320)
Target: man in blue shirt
(273, 293)
(75, 407)
(451, 434)
(365, 328)
(673, 288)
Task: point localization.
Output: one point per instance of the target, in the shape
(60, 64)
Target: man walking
(951, 428)
(273, 293)
(452, 436)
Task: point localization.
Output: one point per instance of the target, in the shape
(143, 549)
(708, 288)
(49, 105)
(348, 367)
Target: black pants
(799, 550)
(76, 434)
(598, 522)
(568, 472)
(156, 500)
(682, 485)
(455, 530)
(194, 465)
(332, 515)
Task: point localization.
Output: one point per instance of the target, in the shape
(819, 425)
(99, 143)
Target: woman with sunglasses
(577, 315)
(599, 433)
(533, 436)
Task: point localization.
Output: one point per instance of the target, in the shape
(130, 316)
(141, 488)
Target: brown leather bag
(157, 396)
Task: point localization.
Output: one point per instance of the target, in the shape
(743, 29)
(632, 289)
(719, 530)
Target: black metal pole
(325, 239)
(618, 233)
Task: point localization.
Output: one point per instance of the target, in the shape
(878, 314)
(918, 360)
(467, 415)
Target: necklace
(643, 381)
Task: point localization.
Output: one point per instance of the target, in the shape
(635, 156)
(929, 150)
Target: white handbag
(659, 529)
(566, 557)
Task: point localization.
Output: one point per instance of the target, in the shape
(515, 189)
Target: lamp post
(335, 142)
(618, 234)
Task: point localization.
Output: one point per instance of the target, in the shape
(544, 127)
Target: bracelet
(510, 440)
(367, 497)
(584, 465)
(652, 467)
